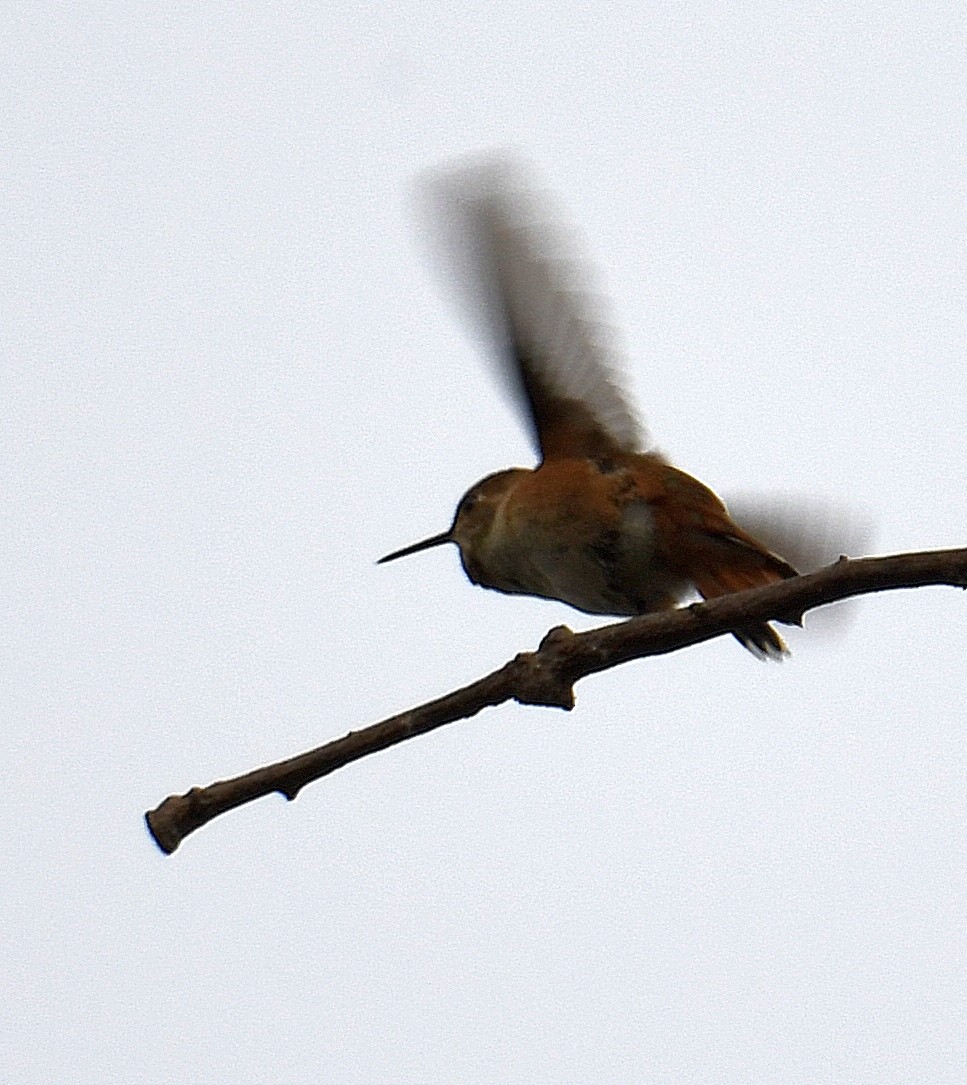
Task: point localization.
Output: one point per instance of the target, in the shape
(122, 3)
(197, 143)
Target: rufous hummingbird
(599, 523)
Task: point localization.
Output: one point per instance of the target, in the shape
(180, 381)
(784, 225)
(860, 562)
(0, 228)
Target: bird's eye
(468, 502)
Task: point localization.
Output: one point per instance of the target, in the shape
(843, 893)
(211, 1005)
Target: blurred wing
(527, 296)
(809, 533)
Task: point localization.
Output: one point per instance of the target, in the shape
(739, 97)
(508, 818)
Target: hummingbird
(603, 523)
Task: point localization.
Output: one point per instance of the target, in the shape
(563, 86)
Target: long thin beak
(434, 540)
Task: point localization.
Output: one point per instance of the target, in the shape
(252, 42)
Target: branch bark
(547, 676)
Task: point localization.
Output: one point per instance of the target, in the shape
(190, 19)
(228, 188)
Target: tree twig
(547, 676)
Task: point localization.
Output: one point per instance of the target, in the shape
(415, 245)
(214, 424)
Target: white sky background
(231, 382)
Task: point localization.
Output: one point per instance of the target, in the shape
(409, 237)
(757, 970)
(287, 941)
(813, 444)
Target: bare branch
(547, 676)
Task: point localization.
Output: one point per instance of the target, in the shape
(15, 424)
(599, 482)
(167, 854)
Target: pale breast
(616, 571)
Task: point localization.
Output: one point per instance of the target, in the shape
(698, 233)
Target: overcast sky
(231, 381)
